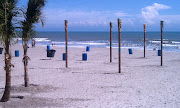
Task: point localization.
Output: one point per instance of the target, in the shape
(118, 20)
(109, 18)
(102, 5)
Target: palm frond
(32, 16)
(11, 17)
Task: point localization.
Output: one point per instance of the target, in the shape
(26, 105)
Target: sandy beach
(94, 83)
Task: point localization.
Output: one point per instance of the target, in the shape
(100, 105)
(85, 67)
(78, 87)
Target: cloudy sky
(95, 15)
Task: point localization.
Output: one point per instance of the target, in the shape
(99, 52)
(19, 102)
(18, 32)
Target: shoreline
(127, 47)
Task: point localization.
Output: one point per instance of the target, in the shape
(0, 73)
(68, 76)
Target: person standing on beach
(34, 42)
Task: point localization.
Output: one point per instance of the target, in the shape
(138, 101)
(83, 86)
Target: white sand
(95, 83)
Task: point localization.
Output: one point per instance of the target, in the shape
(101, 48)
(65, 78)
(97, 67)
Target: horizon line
(107, 31)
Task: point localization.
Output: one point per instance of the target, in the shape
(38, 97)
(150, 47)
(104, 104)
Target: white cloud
(171, 19)
(93, 19)
(150, 13)
(84, 18)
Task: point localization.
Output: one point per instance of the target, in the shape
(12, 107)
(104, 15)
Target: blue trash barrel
(17, 53)
(1, 50)
(159, 52)
(130, 51)
(84, 56)
(48, 47)
(64, 56)
(51, 53)
(88, 48)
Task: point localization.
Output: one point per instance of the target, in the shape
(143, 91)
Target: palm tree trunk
(26, 78)
(7, 56)
(25, 59)
(6, 94)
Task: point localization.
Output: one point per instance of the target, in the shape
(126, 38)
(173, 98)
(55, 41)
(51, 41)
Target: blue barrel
(159, 52)
(88, 48)
(64, 56)
(48, 47)
(51, 53)
(17, 53)
(84, 56)
(1, 50)
(130, 51)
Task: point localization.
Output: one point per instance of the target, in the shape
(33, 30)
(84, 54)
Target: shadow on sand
(45, 59)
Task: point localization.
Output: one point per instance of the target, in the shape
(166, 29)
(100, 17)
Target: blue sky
(95, 15)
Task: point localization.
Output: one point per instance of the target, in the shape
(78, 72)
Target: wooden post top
(119, 23)
(66, 23)
(162, 24)
(111, 24)
(144, 27)
(119, 20)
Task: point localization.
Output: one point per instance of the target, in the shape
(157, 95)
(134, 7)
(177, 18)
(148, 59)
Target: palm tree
(8, 12)
(32, 16)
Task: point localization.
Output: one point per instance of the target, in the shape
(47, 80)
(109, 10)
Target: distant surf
(171, 41)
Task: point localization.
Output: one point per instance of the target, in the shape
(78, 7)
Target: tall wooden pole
(111, 24)
(66, 33)
(144, 40)
(162, 26)
(119, 39)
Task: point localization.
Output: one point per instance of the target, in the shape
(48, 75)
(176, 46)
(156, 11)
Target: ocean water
(101, 39)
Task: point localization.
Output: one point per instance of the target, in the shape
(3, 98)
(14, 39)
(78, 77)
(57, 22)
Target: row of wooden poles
(119, 41)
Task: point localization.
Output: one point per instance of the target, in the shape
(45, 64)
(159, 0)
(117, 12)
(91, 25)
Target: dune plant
(32, 16)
